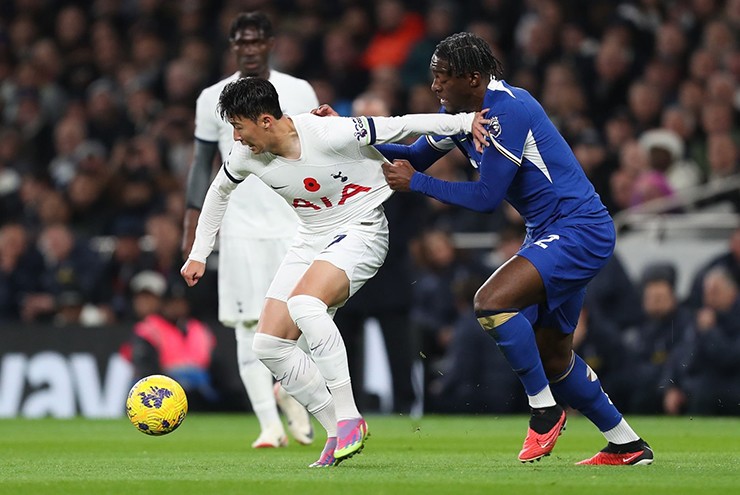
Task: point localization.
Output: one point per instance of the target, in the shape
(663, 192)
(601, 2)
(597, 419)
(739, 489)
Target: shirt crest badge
(495, 127)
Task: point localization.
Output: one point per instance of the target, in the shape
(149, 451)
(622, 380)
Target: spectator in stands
(69, 265)
(729, 260)
(474, 377)
(610, 310)
(20, 270)
(645, 103)
(69, 136)
(592, 154)
(434, 311)
(341, 70)
(665, 151)
(398, 29)
(440, 21)
(663, 327)
(124, 260)
(167, 340)
(10, 178)
(703, 376)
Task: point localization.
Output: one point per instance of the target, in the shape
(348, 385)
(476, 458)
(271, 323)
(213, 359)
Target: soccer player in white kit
(255, 235)
(328, 171)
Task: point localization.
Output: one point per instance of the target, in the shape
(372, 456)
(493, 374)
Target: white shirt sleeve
(214, 207)
(390, 129)
(207, 120)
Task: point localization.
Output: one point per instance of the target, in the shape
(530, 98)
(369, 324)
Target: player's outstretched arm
(484, 195)
(199, 177)
(390, 129)
(214, 208)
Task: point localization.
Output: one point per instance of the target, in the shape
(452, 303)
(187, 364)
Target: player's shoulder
(278, 78)
(311, 122)
(501, 97)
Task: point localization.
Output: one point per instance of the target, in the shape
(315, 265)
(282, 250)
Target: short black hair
(249, 97)
(467, 53)
(256, 20)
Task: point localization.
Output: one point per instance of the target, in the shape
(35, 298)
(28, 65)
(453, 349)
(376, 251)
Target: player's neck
(287, 142)
(262, 75)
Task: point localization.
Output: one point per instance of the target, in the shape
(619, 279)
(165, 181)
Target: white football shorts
(359, 249)
(246, 268)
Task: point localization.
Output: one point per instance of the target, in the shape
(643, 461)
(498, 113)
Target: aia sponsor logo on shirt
(324, 202)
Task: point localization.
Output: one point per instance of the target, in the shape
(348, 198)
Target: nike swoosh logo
(631, 458)
(278, 187)
(545, 444)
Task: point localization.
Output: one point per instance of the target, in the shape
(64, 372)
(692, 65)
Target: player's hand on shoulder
(480, 130)
(192, 271)
(398, 174)
(325, 110)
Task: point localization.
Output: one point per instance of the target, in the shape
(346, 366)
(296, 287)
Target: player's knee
(270, 348)
(487, 300)
(305, 306)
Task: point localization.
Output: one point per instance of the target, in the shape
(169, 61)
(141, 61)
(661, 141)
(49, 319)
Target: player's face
(250, 134)
(454, 92)
(252, 50)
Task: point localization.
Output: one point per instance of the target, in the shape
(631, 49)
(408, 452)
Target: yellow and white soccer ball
(156, 405)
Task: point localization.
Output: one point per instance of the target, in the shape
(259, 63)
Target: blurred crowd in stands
(97, 102)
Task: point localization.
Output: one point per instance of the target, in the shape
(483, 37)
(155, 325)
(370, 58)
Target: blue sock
(515, 338)
(580, 388)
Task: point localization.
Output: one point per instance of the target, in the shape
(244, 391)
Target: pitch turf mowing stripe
(210, 455)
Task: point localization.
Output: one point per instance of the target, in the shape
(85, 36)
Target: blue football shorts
(567, 257)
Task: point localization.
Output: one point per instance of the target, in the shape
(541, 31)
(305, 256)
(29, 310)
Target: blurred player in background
(531, 304)
(257, 227)
(327, 169)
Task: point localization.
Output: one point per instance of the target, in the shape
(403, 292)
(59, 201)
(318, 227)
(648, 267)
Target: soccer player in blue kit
(531, 304)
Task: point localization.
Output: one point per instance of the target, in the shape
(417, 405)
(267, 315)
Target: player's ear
(265, 120)
(475, 79)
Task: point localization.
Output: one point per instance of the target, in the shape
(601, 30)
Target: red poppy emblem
(311, 184)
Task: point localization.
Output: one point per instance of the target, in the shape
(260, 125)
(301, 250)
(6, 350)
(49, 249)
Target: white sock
(622, 433)
(542, 399)
(328, 419)
(295, 370)
(327, 349)
(257, 380)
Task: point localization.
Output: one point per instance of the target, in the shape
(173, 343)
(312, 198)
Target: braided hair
(466, 53)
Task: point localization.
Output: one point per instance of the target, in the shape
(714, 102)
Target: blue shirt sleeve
(422, 154)
(508, 132)
(483, 195)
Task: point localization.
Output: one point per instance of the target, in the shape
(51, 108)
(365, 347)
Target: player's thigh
(351, 258)
(246, 270)
(324, 281)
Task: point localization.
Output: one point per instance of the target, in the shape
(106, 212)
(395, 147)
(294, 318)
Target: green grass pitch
(210, 455)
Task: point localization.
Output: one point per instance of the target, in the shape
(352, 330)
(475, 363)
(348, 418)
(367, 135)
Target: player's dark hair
(249, 97)
(466, 53)
(256, 20)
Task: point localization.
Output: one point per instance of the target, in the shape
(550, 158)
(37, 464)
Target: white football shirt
(254, 211)
(337, 179)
